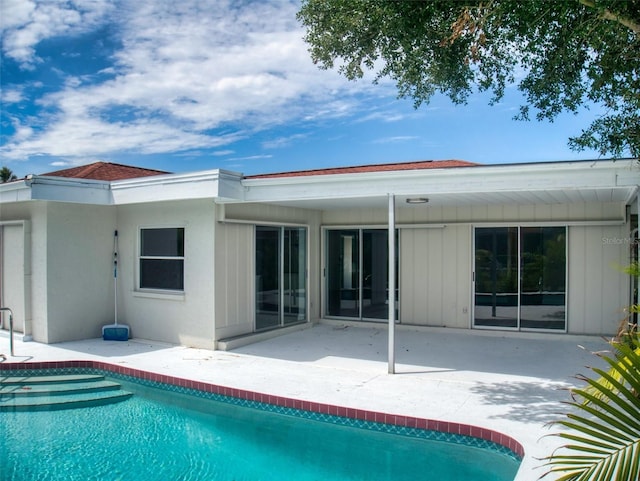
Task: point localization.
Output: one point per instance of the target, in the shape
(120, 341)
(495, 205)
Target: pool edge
(322, 408)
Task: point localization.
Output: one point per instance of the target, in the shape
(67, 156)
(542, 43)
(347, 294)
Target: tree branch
(609, 15)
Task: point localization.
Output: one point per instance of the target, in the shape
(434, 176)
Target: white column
(392, 283)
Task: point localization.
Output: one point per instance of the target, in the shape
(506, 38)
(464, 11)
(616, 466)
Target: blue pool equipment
(115, 331)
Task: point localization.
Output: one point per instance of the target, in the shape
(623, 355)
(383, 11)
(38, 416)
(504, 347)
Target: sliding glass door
(281, 284)
(520, 277)
(357, 273)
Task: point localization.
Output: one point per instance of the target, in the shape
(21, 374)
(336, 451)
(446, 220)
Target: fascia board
(18, 191)
(478, 179)
(211, 184)
(61, 189)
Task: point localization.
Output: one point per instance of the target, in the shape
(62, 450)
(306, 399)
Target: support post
(392, 284)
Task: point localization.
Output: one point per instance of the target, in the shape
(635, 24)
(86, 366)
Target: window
(162, 258)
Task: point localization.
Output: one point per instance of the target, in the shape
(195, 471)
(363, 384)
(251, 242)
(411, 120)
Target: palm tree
(603, 437)
(6, 175)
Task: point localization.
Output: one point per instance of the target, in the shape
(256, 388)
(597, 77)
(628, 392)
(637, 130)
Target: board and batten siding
(598, 290)
(473, 214)
(235, 262)
(436, 264)
(234, 273)
(435, 276)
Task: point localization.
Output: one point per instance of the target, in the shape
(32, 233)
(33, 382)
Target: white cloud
(11, 95)
(185, 70)
(384, 116)
(396, 139)
(27, 22)
(280, 142)
(250, 157)
(85, 137)
(222, 153)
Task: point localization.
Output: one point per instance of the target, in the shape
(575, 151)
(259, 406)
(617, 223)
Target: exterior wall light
(417, 200)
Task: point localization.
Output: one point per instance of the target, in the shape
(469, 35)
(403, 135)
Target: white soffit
(520, 184)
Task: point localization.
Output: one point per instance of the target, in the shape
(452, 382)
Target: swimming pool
(168, 431)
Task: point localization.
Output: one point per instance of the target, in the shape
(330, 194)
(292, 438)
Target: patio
(508, 382)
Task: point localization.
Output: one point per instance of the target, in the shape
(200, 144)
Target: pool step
(64, 378)
(47, 393)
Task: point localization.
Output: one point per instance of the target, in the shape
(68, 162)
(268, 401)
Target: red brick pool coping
(371, 416)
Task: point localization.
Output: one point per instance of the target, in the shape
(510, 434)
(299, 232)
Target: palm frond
(603, 436)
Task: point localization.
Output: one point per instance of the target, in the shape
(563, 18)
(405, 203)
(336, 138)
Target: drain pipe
(10, 328)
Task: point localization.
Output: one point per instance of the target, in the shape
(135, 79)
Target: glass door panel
(375, 267)
(267, 277)
(375, 274)
(357, 275)
(496, 277)
(295, 265)
(543, 278)
(343, 273)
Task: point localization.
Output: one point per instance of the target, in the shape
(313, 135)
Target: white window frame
(141, 257)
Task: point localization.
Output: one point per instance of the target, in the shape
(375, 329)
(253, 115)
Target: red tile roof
(425, 164)
(105, 171)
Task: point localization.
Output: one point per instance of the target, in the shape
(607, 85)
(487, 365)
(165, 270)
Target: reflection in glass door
(357, 274)
(281, 292)
(343, 273)
(520, 277)
(496, 291)
(543, 277)
(267, 277)
(294, 275)
(375, 274)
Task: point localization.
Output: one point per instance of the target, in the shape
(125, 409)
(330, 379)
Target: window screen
(162, 258)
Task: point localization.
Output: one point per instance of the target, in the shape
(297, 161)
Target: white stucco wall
(15, 271)
(181, 318)
(20, 276)
(79, 274)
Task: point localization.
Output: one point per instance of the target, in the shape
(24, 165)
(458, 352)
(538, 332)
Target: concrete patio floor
(507, 382)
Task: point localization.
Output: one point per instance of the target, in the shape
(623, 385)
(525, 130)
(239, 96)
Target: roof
(105, 171)
(359, 169)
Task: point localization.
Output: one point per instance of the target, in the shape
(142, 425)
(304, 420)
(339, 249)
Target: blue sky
(193, 85)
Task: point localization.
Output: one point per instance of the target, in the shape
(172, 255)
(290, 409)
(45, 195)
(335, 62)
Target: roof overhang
(519, 184)
(507, 184)
(61, 189)
(216, 184)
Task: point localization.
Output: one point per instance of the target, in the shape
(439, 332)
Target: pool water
(155, 437)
